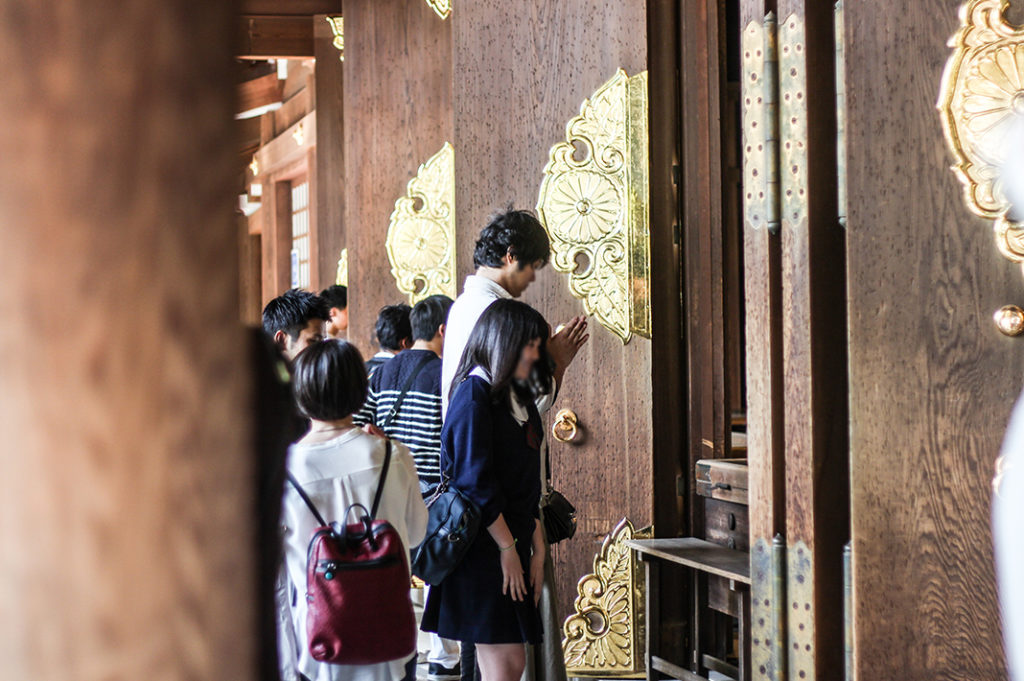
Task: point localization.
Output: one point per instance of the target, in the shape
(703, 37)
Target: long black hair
(505, 328)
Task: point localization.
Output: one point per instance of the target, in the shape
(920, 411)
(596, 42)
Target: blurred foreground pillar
(124, 479)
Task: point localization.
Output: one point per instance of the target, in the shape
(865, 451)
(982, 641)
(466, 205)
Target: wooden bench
(702, 558)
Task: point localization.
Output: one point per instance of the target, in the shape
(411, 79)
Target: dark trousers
(470, 672)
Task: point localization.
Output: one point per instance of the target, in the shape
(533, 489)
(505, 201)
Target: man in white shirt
(510, 250)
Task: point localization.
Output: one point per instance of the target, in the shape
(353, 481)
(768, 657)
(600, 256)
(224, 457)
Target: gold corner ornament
(338, 29)
(594, 204)
(443, 8)
(981, 102)
(421, 237)
(341, 278)
(604, 637)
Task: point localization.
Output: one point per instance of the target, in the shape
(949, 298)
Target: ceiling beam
(259, 92)
(290, 7)
(275, 37)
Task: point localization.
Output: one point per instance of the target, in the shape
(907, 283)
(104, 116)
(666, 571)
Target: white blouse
(336, 474)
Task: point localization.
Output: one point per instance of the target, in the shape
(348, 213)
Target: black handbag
(559, 515)
(453, 523)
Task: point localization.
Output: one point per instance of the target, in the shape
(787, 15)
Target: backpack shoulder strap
(393, 412)
(305, 498)
(383, 478)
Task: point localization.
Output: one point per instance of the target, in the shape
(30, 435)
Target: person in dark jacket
(490, 447)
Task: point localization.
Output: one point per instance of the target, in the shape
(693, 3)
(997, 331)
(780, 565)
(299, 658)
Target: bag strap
(309, 502)
(376, 497)
(393, 412)
(383, 477)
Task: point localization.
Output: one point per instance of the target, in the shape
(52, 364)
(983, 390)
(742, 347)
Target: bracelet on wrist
(509, 547)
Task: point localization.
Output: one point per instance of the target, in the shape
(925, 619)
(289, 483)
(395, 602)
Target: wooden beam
(275, 37)
(258, 92)
(290, 7)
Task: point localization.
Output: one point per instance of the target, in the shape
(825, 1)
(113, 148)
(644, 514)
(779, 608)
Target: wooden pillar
(814, 340)
(124, 479)
(330, 153)
(398, 113)
(763, 290)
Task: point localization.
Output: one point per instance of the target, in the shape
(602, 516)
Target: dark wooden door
(522, 72)
(932, 381)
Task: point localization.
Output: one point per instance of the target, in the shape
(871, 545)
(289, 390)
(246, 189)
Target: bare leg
(501, 661)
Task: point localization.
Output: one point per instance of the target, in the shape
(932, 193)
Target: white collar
(482, 285)
(519, 411)
(384, 354)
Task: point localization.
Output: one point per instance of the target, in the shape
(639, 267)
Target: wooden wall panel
(397, 113)
(931, 380)
(125, 476)
(522, 71)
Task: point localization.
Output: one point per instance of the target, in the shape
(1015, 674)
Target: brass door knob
(1010, 320)
(565, 427)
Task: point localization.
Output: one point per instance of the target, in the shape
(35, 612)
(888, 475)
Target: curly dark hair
(514, 232)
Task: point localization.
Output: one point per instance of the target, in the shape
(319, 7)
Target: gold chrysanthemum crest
(981, 102)
(421, 237)
(594, 204)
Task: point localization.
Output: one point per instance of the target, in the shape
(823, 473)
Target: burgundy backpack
(357, 587)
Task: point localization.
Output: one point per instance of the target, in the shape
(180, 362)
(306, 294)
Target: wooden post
(330, 153)
(814, 340)
(125, 477)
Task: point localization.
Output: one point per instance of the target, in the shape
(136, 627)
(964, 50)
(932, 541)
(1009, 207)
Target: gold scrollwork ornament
(443, 8)
(604, 636)
(981, 102)
(421, 237)
(595, 208)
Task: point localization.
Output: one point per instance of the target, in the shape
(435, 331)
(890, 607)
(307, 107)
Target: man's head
(336, 298)
(394, 332)
(295, 320)
(513, 246)
(428, 319)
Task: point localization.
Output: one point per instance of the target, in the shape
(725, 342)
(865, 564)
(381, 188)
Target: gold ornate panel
(443, 8)
(338, 29)
(982, 105)
(604, 637)
(421, 238)
(594, 204)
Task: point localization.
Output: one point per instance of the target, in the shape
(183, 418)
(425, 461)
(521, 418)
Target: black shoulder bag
(453, 523)
(559, 515)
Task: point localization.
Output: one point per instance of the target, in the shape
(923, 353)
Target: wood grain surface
(125, 473)
(932, 382)
(397, 113)
(522, 72)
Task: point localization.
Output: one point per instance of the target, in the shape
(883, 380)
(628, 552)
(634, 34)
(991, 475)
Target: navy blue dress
(496, 462)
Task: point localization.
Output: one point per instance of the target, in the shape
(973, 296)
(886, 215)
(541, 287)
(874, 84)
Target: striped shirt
(417, 424)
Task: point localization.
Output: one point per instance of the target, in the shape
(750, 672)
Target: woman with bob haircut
(490, 448)
(338, 465)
